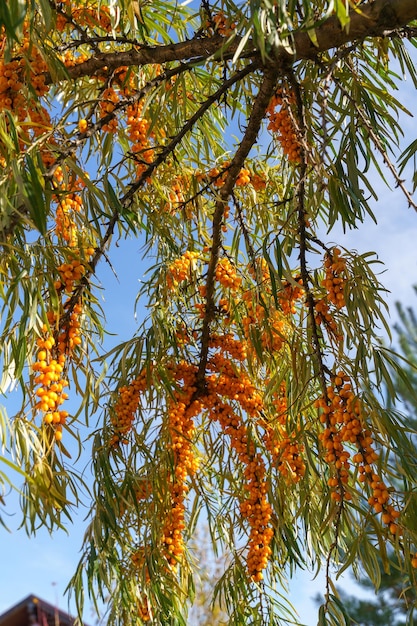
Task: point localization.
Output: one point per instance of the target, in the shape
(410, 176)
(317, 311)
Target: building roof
(32, 611)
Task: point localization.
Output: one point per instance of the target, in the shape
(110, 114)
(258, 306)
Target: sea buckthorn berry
(108, 102)
(58, 435)
(258, 182)
(324, 317)
(244, 178)
(228, 381)
(283, 445)
(82, 125)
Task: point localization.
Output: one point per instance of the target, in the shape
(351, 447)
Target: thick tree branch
(375, 19)
(261, 102)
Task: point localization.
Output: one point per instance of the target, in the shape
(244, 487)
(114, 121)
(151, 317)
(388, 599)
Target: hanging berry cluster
(181, 269)
(138, 561)
(336, 277)
(124, 410)
(224, 384)
(227, 276)
(181, 411)
(218, 175)
(342, 414)
(281, 123)
(334, 282)
(138, 133)
(284, 446)
(226, 381)
(61, 335)
(20, 78)
(49, 376)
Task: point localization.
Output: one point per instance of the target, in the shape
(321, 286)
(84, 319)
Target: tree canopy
(226, 137)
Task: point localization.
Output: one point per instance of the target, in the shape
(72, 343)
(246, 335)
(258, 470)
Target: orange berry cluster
(51, 392)
(270, 327)
(254, 508)
(24, 73)
(281, 122)
(69, 203)
(124, 409)
(282, 445)
(336, 276)
(52, 356)
(125, 79)
(108, 102)
(176, 196)
(70, 59)
(334, 283)
(219, 175)
(143, 610)
(181, 411)
(69, 328)
(229, 344)
(181, 269)
(70, 273)
(138, 133)
(87, 16)
(54, 350)
(324, 317)
(270, 324)
(227, 381)
(259, 271)
(257, 510)
(138, 561)
(244, 178)
(27, 65)
(258, 182)
(11, 95)
(342, 414)
(289, 294)
(220, 24)
(226, 274)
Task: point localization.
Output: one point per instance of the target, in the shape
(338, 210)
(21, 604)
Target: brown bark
(373, 19)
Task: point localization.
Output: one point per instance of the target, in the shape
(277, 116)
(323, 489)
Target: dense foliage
(223, 136)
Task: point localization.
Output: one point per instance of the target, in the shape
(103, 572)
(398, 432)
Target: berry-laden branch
(374, 19)
(188, 126)
(149, 169)
(254, 123)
